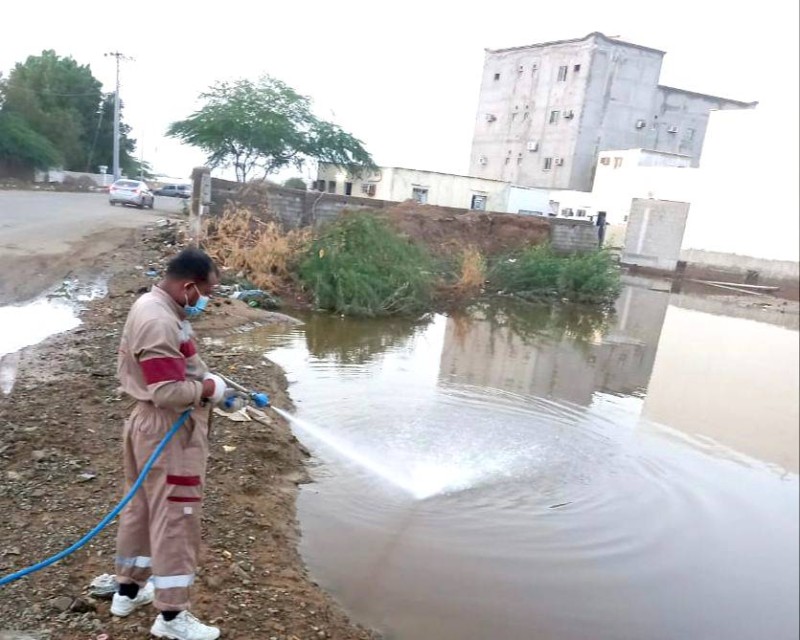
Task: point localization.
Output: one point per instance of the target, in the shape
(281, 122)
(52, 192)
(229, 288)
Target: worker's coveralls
(159, 530)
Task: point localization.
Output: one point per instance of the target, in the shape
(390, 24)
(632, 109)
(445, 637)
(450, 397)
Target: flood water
(29, 323)
(520, 472)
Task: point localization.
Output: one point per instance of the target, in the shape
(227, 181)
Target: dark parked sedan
(175, 191)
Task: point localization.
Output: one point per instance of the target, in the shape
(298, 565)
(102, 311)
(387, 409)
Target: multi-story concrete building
(546, 110)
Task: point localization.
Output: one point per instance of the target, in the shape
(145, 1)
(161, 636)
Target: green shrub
(532, 270)
(537, 273)
(589, 277)
(359, 266)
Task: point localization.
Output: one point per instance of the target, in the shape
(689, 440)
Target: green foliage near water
(539, 273)
(360, 266)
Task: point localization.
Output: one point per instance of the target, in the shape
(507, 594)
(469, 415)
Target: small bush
(589, 277)
(360, 266)
(296, 183)
(533, 270)
(538, 273)
(473, 272)
(263, 251)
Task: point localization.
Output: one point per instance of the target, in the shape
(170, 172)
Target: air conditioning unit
(672, 130)
(569, 114)
(482, 160)
(533, 146)
(490, 117)
(559, 162)
(640, 124)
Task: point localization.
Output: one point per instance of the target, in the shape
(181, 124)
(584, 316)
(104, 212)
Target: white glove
(219, 387)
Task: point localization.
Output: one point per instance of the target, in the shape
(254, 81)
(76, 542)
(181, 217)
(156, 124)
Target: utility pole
(119, 56)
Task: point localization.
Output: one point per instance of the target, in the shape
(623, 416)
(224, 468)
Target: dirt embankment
(444, 232)
(60, 431)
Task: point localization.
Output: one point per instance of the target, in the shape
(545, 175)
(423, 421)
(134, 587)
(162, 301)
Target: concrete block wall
(572, 236)
(293, 207)
(655, 233)
(296, 208)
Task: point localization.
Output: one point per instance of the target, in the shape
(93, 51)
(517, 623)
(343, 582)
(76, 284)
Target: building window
(508, 159)
(348, 188)
(617, 163)
(331, 186)
(368, 189)
(496, 76)
(519, 158)
(562, 73)
(525, 115)
(548, 164)
(567, 213)
(576, 68)
(581, 213)
(419, 195)
(478, 202)
(513, 116)
(606, 160)
(554, 117)
(689, 135)
(319, 185)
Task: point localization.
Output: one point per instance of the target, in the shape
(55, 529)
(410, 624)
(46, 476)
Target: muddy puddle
(518, 472)
(29, 323)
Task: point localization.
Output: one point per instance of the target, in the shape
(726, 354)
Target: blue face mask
(194, 310)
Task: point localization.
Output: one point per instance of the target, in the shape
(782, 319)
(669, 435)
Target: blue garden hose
(114, 513)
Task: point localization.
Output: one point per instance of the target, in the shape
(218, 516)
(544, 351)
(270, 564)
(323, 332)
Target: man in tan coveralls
(158, 366)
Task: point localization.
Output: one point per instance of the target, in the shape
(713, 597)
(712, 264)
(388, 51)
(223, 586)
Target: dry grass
(473, 272)
(263, 251)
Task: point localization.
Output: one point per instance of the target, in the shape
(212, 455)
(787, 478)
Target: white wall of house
(747, 200)
(530, 201)
(636, 173)
(398, 184)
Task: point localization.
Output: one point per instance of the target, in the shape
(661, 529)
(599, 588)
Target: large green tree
(260, 127)
(62, 101)
(22, 146)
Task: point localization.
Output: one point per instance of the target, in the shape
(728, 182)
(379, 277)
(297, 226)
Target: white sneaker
(124, 606)
(183, 627)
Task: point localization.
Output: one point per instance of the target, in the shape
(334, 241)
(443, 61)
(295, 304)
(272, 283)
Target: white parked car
(133, 192)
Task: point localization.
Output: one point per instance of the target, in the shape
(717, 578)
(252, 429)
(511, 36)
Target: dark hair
(191, 264)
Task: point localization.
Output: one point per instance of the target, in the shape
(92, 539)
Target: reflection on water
(552, 352)
(588, 475)
(356, 341)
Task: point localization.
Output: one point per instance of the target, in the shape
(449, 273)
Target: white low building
(398, 184)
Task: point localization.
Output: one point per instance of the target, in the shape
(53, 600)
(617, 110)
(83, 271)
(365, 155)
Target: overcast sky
(403, 77)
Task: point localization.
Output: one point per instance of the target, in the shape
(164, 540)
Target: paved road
(34, 222)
